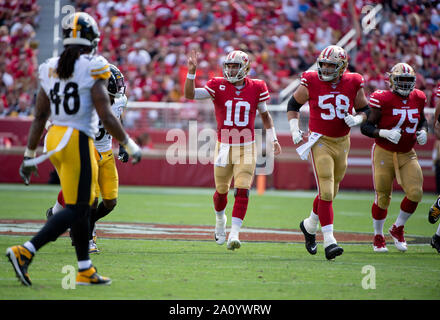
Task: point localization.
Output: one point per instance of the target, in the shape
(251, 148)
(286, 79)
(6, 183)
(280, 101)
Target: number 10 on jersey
(241, 107)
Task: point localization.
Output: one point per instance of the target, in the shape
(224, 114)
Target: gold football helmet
(402, 79)
(244, 63)
(336, 56)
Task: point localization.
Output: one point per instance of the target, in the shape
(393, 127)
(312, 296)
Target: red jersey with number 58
(235, 109)
(398, 112)
(329, 102)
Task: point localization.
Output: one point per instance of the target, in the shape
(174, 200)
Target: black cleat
(332, 251)
(435, 242)
(310, 239)
(49, 213)
(434, 212)
(20, 258)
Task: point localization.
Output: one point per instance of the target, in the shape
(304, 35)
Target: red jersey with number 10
(235, 109)
(329, 102)
(398, 112)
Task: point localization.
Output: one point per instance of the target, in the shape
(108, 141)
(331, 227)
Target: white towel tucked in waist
(304, 150)
(223, 155)
(45, 156)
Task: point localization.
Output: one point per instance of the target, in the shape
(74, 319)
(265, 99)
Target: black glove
(123, 154)
(26, 172)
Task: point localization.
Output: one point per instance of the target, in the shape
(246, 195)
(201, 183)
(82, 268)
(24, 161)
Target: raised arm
(189, 89)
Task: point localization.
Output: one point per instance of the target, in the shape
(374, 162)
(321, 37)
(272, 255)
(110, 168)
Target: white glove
(422, 137)
(392, 135)
(352, 121)
(296, 132)
(133, 150)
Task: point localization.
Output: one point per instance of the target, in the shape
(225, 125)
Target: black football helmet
(116, 84)
(81, 29)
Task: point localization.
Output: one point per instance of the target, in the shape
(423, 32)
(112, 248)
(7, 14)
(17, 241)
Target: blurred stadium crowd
(149, 40)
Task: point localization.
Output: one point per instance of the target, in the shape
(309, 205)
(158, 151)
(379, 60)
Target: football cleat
(20, 258)
(90, 277)
(49, 213)
(220, 230)
(435, 242)
(233, 243)
(399, 240)
(379, 244)
(332, 251)
(93, 248)
(434, 212)
(310, 239)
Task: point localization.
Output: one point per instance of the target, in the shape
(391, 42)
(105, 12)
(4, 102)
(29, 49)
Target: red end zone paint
(191, 232)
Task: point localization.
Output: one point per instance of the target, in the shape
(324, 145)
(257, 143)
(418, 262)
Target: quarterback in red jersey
(332, 95)
(236, 100)
(397, 122)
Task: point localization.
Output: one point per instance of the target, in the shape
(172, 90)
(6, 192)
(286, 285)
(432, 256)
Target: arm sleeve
(262, 107)
(201, 94)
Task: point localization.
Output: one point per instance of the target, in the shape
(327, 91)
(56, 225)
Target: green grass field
(202, 270)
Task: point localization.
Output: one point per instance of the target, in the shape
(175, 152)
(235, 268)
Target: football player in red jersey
(236, 100)
(397, 122)
(332, 94)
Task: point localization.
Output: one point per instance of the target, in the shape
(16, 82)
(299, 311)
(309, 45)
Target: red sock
(240, 203)
(325, 212)
(378, 213)
(61, 199)
(220, 201)
(315, 205)
(408, 206)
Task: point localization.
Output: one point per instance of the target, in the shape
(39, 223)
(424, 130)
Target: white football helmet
(402, 79)
(334, 55)
(242, 59)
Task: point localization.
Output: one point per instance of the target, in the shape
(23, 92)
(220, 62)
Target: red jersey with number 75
(329, 102)
(235, 109)
(398, 112)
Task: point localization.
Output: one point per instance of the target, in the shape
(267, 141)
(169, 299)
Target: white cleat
(379, 244)
(397, 234)
(234, 243)
(220, 230)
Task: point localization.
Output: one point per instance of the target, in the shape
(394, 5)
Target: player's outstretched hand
(192, 61)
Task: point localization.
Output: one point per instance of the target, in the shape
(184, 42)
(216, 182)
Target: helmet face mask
(81, 29)
(236, 66)
(402, 79)
(116, 85)
(333, 55)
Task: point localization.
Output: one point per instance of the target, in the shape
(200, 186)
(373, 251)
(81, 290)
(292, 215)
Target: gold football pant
(329, 160)
(76, 165)
(108, 180)
(240, 166)
(388, 165)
